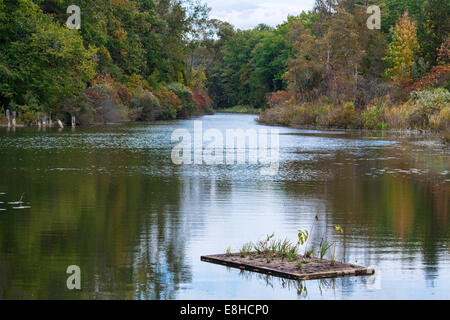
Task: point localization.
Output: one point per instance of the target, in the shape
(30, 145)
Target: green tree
(401, 52)
(44, 62)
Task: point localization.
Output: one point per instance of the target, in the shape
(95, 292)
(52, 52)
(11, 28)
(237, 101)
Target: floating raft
(313, 269)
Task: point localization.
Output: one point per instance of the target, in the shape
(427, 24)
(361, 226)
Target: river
(110, 200)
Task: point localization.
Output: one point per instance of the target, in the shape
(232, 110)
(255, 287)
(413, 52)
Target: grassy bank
(240, 109)
(424, 110)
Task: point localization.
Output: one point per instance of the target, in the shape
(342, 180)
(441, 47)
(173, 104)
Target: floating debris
(2, 209)
(22, 207)
(18, 202)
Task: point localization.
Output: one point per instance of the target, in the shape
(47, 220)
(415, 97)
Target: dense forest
(163, 59)
(327, 68)
(128, 61)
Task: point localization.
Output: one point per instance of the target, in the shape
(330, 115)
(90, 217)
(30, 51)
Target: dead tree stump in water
(14, 113)
(7, 118)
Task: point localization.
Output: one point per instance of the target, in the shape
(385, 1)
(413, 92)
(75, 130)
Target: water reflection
(109, 200)
(274, 282)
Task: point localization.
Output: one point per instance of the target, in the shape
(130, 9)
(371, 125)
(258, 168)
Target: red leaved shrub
(277, 98)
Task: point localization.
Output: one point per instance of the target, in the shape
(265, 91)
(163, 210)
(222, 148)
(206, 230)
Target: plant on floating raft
(292, 254)
(333, 257)
(262, 246)
(228, 251)
(303, 236)
(246, 249)
(284, 249)
(310, 252)
(324, 247)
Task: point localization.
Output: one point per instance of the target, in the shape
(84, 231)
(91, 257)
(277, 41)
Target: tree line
(128, 61)
(163, 59)
(326, 67)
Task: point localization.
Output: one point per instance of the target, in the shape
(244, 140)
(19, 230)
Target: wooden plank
(261, 267)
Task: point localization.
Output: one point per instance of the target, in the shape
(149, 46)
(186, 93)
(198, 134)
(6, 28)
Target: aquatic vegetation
(324, 247)
(303, 236)
(281, 248)
(310, 252)
(228, 251)
(275, 245)
(333, 256)
(292, 254)
(339, 228)
(246, 249)
(262, 245)
(271, 248)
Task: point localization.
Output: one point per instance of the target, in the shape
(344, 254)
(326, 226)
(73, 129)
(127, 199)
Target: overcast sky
(246, 14)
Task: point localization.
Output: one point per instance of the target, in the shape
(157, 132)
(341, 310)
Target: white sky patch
(247, 14)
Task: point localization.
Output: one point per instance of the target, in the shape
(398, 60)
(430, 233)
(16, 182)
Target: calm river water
(110, 200)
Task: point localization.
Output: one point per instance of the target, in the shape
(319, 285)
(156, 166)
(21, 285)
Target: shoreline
(419, 133)
(412, 132)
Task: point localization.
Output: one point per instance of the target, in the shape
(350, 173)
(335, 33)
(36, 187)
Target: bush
(397, 117)
(275, 99)
(170, 103)
(145, 105)
(203, 101)
(441, 121)
(188, 105)
(426, 104)
(100, 103)
(271, 116)
(372, 117)
(311, 114)
(27, 115)
(349, 116)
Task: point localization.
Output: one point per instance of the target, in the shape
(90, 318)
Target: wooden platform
(314, 269)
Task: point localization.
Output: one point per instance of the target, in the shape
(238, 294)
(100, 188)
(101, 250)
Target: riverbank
(109, 101)
(425, 111)
(443, 136)
(240, 110)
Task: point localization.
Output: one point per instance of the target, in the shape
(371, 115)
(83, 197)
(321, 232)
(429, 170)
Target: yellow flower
(339, 228)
